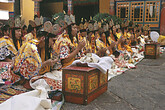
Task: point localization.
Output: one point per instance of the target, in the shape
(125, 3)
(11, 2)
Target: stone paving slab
(142, 88)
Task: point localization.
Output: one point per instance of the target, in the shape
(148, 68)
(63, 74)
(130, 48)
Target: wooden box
(152, 51)
(81, 85)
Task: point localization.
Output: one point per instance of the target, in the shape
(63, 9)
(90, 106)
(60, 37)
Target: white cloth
(36, 99)
(103, 65)
(151, 10)
(1, 81)
(33, 100)
(56, 75)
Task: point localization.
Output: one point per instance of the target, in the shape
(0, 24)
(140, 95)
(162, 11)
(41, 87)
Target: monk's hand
(51, 62)
(81, 44)
(112, 45)
(88, 51)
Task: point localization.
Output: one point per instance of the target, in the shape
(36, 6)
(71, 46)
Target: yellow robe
(28, 37)
(118, 35)
(128, 34)
(127, 47)
(64, 47)
(111, 40)
(104, 39)
(45, 68)
(100, 44)
(18, 44)
(87, 45)
(7, 48)
(93, 44)
(75, 42)
(161, 40)
(125, 35)
(27, 63)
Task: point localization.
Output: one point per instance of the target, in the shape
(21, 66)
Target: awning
(7, 1)
(4, 15)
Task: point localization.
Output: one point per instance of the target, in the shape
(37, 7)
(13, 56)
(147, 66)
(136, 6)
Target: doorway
(85, 11)
(47, 9)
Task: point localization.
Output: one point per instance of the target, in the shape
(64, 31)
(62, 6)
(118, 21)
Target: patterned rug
(5, 69)
(7, 91)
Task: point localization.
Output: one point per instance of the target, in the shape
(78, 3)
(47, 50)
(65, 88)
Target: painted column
(104, 6)
(17, 8)
(111, 8)
(37, 7)
(70, 11)
(162, 20)
(27, 10)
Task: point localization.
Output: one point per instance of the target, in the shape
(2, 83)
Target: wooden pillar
(162, 20)
(17, 8)
(111, 8)
(104, 6)
(27, 10)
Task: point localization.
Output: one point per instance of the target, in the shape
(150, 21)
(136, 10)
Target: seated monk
(122, 45)
(28, 62)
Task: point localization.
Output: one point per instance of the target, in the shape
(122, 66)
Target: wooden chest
(152, 50)
(81, 85)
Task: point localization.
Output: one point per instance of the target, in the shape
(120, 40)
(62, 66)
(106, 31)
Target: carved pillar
(162, 22)
(70, 11)
(111, 8)
(37, 7)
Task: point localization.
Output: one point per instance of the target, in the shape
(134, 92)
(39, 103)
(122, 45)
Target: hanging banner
(151, 10)
(11, 15)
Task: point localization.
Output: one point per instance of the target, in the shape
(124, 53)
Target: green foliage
(116, 20)
(104, 16)
(100, 16)
(108, 19)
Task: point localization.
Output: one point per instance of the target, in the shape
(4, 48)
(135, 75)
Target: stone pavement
(142, 88)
